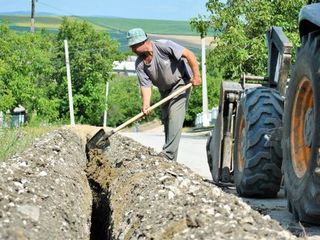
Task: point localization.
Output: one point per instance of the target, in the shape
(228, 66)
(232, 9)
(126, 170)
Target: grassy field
(150, 26)
(106, 24)
(50, 23)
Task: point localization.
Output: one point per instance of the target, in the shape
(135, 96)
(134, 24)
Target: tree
(26, 73)
(91, 57)
(243, 24)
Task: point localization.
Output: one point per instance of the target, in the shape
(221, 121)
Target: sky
(143, 9)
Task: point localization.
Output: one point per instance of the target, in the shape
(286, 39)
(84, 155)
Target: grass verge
(16, 140)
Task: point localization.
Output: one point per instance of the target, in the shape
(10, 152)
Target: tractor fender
(309, 20)
(214, 143)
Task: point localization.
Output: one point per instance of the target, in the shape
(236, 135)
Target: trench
(100, 216)
(97, 177)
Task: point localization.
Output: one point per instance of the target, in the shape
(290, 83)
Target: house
(14, 118)
(125, 68)
(18, 116)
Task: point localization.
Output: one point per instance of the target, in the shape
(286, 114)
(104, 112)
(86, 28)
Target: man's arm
(196, 80)
(146, 99)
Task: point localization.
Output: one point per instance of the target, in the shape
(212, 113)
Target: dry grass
(16, 140)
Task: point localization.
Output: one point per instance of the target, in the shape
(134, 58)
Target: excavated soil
(44, 192)
(53, 191)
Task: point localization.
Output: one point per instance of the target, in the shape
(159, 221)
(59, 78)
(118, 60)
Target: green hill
(117, 27)
(23, 22)
(150, 26)
(106, 23)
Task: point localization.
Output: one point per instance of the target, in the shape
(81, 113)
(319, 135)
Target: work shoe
(163, 155)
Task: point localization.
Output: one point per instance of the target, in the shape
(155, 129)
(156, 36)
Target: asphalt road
(192, 153)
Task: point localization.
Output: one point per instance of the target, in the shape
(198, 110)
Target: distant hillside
(117, 27)
(17, 22)
(150, 26)
(105, 23)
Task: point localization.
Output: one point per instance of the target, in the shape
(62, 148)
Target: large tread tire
(257, 162)
(301, 134)
(213, 165)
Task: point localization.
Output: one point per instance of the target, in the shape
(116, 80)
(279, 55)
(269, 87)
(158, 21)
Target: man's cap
(136, 35)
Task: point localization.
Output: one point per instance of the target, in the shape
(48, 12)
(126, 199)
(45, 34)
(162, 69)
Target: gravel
(45, 194)
(152, 198)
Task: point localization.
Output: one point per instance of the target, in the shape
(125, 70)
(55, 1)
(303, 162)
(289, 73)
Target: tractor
(267, 131)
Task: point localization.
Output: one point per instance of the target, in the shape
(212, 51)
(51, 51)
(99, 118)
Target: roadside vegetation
(33, 72)
(15, 140)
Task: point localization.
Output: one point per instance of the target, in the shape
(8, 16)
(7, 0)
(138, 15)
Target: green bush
(124, 101)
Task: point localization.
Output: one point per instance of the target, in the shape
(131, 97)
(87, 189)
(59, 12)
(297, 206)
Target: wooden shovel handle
(162, 101)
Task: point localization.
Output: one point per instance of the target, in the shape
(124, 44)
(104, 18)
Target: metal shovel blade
(100, 141)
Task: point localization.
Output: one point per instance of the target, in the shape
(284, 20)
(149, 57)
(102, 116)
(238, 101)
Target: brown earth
(134, 194)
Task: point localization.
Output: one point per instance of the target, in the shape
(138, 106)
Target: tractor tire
(301, 135)
(257, 158)
(213, 166)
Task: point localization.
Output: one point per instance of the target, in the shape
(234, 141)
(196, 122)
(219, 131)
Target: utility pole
(202, 27)
(33, 6)
(72, 123)
(205, 118)
(106, 106)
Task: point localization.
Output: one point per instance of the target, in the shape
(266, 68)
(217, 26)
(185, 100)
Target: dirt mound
(44, 192)
(136, 195)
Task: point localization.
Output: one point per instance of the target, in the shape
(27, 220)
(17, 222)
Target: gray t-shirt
(167, 67)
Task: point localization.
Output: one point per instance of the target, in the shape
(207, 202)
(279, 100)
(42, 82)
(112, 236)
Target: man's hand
(145, 108)
(196, 81)
(146, 98)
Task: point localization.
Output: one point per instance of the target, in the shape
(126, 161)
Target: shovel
(101, 139)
